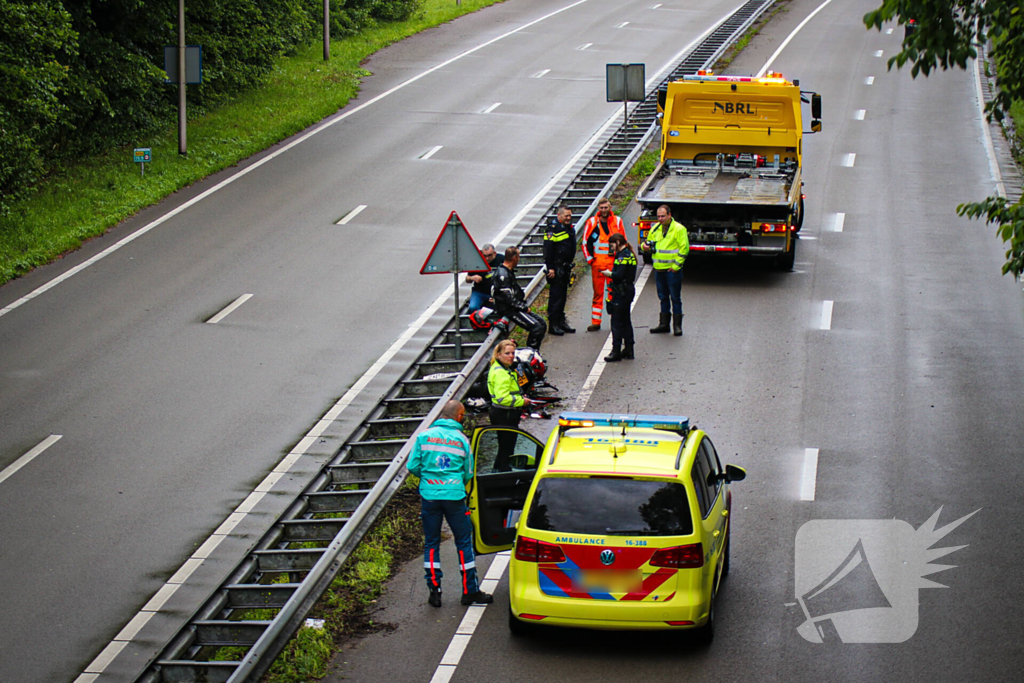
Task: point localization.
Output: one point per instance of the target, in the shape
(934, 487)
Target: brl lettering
(737, 108)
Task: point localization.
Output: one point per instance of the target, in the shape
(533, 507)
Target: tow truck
(730, 166)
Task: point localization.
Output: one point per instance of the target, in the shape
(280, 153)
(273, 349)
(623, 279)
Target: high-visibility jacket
(503, 385)
(559, 246)
(669, 247)
(595, 240)
(441, 457)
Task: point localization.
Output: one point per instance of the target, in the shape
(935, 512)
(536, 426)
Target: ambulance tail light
(532, 550)
(679, 557)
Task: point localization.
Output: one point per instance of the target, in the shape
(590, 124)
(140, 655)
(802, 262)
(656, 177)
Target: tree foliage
(948, 34)
(81, 76)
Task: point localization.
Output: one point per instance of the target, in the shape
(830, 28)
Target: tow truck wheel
(785, 261)
(799, 223)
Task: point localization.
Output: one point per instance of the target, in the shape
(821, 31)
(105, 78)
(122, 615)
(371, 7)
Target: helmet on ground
(479, 319)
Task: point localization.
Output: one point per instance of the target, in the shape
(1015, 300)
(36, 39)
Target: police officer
(621, 291)
(481, 294)
(559, 252)
(443, 460)
(669, 244)
(510, 300)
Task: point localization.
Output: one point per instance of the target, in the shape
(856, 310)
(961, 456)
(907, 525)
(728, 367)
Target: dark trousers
(504, 417)
(534, 326)
(557, 294)
(670, 287)
(622, 325)
(455, 512)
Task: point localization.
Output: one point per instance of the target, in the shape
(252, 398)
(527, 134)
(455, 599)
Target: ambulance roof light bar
(671, 423)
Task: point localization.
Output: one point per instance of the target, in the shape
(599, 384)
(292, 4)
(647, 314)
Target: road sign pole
(455, 253)
(182, 141)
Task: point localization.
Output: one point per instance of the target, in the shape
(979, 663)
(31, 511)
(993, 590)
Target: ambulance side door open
(505, 461)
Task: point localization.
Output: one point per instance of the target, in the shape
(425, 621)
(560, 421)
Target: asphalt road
(892, 353)
(166, 423)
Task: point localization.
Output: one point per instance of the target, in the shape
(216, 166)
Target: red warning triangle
(454, 251)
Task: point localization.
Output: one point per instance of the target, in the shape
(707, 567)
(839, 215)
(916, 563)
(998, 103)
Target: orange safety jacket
(595, 240)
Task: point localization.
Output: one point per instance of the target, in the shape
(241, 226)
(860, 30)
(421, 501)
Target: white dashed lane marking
(28, 457)
(838, 221)
(540, 74)
(869, 80)
(491, 108)
(351, 214)
(859, 114)
(826, 315)
(809, 475)
(431, 152)
(229, 309)
(849, 159)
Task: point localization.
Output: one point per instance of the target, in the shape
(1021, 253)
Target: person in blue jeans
(481, 294)
(443, 460)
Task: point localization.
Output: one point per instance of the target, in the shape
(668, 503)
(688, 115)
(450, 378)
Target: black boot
(677, 324)
(615, 356)
(435, 596)
(564, 325)
(627, 352)
(554, 328)
(478, 598)
(662, 325)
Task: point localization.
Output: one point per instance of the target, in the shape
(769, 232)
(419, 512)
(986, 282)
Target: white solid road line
(826, 315)
(273, 155)
(590, 383)
(849, 159)
(350, 215)
(859, 114)
(228, 309)
(457, 647)
(491, 108)
(540, 74)
(432, 152)
(28, 457)
(809, 475)
(837, 223)
(869, 80)
(782, 47)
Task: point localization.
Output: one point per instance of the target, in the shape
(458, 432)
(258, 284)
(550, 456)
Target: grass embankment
(730, 54)
(1017, 140)
(88, 198)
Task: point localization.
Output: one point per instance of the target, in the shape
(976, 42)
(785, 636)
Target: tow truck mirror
(733, 473)
(816, 107)
(662, 98)
(815, 126)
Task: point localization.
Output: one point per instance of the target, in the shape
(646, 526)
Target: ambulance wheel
(706, 633)
(517, 627)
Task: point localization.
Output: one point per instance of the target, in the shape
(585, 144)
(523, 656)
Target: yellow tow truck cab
(618, 522)
(731, 163)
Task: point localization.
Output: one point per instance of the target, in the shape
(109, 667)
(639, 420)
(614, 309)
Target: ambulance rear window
(610, 507)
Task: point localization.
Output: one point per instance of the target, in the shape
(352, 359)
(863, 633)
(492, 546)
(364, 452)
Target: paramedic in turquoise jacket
(443, 460)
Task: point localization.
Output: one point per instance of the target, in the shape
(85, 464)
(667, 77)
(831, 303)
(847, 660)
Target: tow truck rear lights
(676, 623)
(532, 550)
(679, 557)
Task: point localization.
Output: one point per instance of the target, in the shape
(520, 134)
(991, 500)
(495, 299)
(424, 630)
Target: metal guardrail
(339, 506)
